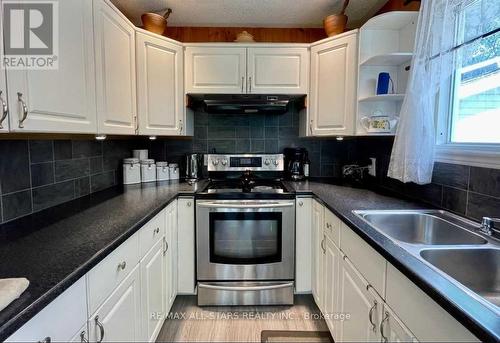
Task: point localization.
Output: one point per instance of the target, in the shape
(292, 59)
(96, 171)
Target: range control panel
(253, 162)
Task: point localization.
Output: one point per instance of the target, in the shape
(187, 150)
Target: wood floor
(189, 323)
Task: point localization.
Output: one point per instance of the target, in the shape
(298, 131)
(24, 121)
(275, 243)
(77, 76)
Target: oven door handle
(246, 288)
(247, 205)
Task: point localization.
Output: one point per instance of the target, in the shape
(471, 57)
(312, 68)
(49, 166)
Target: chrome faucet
(488, 226)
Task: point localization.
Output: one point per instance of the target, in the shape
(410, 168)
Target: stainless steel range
(245, 233)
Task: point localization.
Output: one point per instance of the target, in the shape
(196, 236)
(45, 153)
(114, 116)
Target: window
(475, 109)
(469, 111)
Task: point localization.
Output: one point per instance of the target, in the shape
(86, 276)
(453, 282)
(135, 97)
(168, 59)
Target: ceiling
(250, 13)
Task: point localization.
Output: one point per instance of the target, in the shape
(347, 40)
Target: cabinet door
(119, 317)
(212, 70)
(153, 281)
(62, 99)
(333, 87)
(317, 252)
(303, 245)
(331, 274)
(278, 70)
(392, 328)
(160, 86)
(4, 108)
(362, 306)
(186, 244)
(115, 70)
(171, 254)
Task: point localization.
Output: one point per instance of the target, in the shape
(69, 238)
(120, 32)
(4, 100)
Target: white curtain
(433, 63)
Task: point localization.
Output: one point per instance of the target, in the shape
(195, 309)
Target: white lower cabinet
(331, 265)
(153, 281)
(362, 306)
(59, 321)
(353, 281)
(303, 245)
(186, 266)
(318, 212)
(170, 255)
(119, 317)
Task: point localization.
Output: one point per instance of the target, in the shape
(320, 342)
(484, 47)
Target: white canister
(174, 171)
(148, 170)
(140, 154)
(131, 171)
(162, 171)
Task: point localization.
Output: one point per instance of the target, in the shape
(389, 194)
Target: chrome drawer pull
(45, 340)
(5, 110)
(101, 328)
(25, 110)
(386, 318)
(122, 265)
(246, 288)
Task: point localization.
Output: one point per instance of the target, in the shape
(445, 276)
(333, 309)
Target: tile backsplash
(256, 133)
(38, 174)
(470, 191)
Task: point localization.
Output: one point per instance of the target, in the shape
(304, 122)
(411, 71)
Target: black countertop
(55, 247)
(342, 200)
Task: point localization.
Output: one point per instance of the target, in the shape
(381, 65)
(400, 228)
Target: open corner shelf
(390, 59)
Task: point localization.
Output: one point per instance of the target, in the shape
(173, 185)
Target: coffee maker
(296, 164)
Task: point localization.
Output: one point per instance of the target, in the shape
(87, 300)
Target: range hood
(243, 103)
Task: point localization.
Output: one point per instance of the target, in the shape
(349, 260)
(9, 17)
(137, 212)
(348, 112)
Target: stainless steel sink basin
(477, 269)
(422, 227)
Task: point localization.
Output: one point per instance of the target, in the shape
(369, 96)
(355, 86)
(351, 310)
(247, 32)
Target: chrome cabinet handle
(311, 126)
(25, 109)
(242, 83)
(189, 204)
(301, 203)
(122, 265)
(165, 246)
(323, 244)
(101, 329)
(250, 84)
(246, 288)
(386, 318)
(156, 231)
(5, 110)
(45, 340)
(82, 337)
(181, 127)
(370, 316)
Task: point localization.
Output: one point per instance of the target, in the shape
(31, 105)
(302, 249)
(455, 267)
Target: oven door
(245, 240)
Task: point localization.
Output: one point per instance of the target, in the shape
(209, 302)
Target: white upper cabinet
(160, 84)
(63, 99)
(278, 70)
(215, 70)
(115, 70)
(332, 104)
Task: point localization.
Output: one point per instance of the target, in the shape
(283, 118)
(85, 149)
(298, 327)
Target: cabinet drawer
(106, 276)
(151, 233)
(332, 227)
(60, 320)
(369, 263)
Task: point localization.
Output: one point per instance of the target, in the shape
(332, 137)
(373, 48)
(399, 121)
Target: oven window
(245, 238)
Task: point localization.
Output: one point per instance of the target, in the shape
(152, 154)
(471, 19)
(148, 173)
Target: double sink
(449, 243)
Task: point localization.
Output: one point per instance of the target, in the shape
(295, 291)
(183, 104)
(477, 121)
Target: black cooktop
(238, 188)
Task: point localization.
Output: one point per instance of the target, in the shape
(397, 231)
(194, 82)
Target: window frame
(475, 154)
